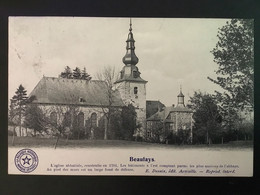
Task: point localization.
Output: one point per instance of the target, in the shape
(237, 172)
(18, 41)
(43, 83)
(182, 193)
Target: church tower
(131, 86)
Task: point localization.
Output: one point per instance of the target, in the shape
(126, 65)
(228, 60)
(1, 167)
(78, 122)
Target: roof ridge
(59, 78)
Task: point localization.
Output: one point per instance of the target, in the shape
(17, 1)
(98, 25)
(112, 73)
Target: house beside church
(170, 121)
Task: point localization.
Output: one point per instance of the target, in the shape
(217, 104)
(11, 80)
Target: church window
(93, 120)
(81, 119)
(135, 90)
(53, 117)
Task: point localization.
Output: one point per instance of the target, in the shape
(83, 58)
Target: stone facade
(135, 94)
(180, 121)
(61, 110)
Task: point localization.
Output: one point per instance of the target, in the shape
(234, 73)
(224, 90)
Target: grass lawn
(63, 143)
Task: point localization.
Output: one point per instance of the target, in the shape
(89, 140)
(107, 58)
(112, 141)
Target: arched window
(81, 119)
(93, 120)
(135, 90)
(53, 117)
(67, 119)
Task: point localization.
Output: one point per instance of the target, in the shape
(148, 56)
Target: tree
(229, 113)
(234, 53)
(18, 106)
(59, 120)
(76, 73)
(116, 123)
(85, 75)
(206, 116)
(13, 118)
(67, 73)
(12, 113)
(129, 126)
(35, 118)
(109, 76)
(156, 130)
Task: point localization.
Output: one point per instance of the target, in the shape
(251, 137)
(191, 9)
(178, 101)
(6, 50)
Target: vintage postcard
(130, 96)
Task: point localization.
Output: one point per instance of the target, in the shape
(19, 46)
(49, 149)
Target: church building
(63, 99)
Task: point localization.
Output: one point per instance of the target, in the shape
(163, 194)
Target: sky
(172, 52)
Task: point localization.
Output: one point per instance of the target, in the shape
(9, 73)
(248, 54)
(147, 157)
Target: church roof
(51, 90)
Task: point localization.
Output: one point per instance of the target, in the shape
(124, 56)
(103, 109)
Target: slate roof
(180, 94)
(152, 107)
(51, 90)
(130, 78)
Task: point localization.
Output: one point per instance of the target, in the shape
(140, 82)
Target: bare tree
(109, 75)
(61, 119)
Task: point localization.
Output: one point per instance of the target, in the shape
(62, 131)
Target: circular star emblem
(26, 160)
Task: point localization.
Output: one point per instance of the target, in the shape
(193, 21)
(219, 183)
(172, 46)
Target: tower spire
(130, 29)
(180, 98)
(130, 71)
(130, 58)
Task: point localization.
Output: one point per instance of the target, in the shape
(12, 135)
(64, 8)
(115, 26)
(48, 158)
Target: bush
(139, 138)
(11, 133)
(183, 137)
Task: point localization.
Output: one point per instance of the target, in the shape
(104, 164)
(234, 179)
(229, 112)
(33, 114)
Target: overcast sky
(171, 52)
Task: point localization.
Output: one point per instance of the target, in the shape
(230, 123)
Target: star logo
(26, 160)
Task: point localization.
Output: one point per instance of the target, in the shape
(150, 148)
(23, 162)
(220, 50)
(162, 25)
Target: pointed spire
(130, 71)
(181, 94)
(130, 58)
(130, 29)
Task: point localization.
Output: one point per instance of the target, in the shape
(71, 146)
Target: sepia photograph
(130, 96)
